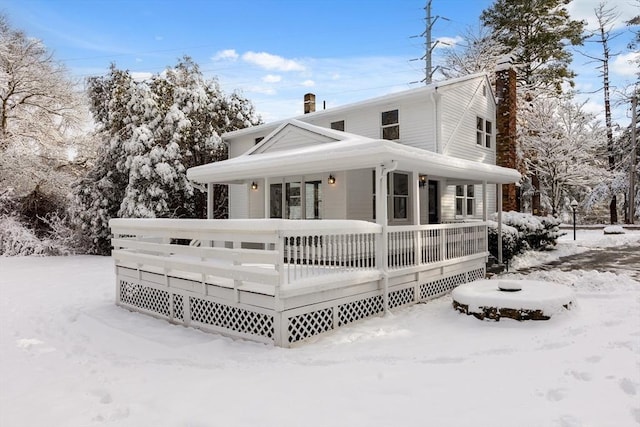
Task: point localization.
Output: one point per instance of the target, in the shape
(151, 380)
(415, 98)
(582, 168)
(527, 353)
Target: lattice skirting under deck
(314, 322)
(266, 325)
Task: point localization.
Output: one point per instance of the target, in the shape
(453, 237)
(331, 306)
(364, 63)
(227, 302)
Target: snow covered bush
(614, 229)
(521, 232)
(512, 243)
(23, 232)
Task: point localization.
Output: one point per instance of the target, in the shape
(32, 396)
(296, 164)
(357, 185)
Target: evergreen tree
(536, 33)
(152, 132)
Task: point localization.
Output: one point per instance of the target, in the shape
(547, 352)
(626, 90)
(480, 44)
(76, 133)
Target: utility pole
(428, 45)
(634, 148)
(427, 56)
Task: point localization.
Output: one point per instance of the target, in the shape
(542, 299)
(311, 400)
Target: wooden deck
(282, 281)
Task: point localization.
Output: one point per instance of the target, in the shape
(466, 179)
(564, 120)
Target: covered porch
(284, 280)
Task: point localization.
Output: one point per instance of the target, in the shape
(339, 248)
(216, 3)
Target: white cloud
(626, 65)
(584, 10)
(227, 54)
(271, 78)
(308, 83)
(272, 62)
(264, 90)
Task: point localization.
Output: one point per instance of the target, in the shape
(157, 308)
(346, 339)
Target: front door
(434, 203)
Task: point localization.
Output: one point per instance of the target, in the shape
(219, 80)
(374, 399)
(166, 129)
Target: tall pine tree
(536, 33)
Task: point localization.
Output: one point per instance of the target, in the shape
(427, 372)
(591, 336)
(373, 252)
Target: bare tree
(37, 100)
(606, 17)
(478, 51)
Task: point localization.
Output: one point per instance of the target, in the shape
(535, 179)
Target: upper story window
(484, 132)
(390, 125)
(465, 200)
(339, 125)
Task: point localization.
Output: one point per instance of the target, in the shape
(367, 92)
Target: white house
(336, 215)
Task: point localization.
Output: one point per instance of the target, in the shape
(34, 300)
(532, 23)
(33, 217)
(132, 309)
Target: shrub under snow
(614, 229)
(521, 232)
(18, 240)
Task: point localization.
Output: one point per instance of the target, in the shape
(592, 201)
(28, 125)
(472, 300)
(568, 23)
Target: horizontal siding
(460, 105)
(360, 195)
(291, 138)
(238, 201)
(334, 196)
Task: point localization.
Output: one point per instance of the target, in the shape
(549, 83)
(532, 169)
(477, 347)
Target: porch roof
(349, 153)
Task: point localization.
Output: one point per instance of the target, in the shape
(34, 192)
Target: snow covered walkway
(70, 357)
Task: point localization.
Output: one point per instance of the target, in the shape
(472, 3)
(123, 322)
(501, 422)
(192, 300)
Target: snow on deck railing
(236, 252)
(415, 245)
(280, 252)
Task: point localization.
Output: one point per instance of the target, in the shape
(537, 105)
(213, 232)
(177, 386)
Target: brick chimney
(506, 128)
(309, 103)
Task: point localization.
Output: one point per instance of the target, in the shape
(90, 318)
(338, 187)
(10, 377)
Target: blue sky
(273, 51)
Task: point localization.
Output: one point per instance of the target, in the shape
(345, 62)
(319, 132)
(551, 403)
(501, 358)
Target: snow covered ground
(70, 357)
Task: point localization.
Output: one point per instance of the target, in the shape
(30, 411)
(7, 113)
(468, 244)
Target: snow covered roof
(350, 152)
(391, 97)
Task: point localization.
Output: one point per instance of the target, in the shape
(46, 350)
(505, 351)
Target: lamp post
(574, 205)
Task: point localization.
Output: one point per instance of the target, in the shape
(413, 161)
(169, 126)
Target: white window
(301, 200)
(398, 187)
(484, 132)
(390, 125)
(465, 200)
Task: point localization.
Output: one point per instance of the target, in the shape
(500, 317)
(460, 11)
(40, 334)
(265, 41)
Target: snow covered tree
(40, 118)
(153, 131)
(37, 100)
(536, 33)
(560, 147)
(478, 51)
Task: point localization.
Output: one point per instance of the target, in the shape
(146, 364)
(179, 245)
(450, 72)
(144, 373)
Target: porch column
(415, 196)
(382, 259)
(267, 198)
(485, 209)
(499, 197)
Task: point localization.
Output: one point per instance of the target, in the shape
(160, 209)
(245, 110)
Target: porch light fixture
(331, 180)
(423, 180)
(254, 185)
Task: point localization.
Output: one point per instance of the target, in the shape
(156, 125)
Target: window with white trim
(484, 132)
(390, 125)
(399, 184)
(465, 200)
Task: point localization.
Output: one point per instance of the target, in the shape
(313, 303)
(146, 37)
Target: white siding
(256, 200)
(238, 201)
(460, 105)
(291, 138)
(449, 197)
(360, 195)
(334, 196)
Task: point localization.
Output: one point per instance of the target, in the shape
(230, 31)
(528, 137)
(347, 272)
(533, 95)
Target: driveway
(618, 259)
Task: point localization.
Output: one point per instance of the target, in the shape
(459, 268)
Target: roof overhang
(348, 154)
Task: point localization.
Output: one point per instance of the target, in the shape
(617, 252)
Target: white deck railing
(281, 252)
(415, 245)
